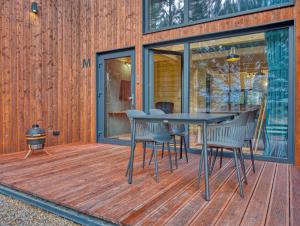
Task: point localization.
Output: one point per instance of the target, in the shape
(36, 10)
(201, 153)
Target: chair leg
(128, 166)
(176, 162)
(200, 171)
(238, 173)
(181, 142)
(243, 166)
(144, 153)
(252, 156)
(162, 150)
(185, 149)
(221, 158)
(156, 163)
(170, 157)
(151, 155)
(214, 161)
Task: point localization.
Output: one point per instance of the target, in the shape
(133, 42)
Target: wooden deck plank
(197, 201)
(295, 196)
(256, 211)
(169, 202)
(126, 200)
(161, 215)
(90, 179)
(210, 213)
(278, 213)
(233, 213)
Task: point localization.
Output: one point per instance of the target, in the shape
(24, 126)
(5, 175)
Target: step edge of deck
(59, 210)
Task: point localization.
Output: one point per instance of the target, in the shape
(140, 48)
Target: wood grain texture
(64, 177)
(41, 74)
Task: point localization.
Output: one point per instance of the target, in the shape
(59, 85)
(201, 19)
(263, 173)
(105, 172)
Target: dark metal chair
(229, 135)
(175, 130)
(250, 130)
(178, 130)
(166, 107)
(155, 133)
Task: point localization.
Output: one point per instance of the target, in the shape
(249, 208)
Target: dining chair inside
(175, 130)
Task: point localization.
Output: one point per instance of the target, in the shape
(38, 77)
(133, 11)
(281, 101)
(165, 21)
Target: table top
(188, 117)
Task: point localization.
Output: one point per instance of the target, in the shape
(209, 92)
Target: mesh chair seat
(148, 138)
(174, 129)
(178, 130)
(228, 144)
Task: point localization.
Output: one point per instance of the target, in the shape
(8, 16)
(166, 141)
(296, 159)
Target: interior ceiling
(124, 59)
(250, 56)
(174, 59)
(230, 41)
(175, 48)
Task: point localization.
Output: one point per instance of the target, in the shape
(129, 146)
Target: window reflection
(164, 13)
(240, 73)
(205, 9)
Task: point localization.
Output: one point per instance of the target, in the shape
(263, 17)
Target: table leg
(132, 147)
(206, 169)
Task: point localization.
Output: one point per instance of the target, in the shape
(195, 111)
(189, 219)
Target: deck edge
(54, 208)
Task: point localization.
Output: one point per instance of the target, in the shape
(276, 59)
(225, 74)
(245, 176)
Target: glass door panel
(167, 64)
(118, 97)
(244, 72)
(117, 89)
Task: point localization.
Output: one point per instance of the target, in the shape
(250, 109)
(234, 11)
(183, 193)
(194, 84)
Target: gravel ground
(14, 212)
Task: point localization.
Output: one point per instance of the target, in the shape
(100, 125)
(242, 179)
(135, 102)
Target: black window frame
(187, 22)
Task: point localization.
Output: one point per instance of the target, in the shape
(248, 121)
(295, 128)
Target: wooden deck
(90, 179)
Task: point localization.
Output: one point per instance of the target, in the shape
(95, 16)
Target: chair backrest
(142, 127)
(157, 112)
(133, 113)
(167, 107)
(251, 125)
(159, 129)
(174, 128)
(231, 133)
(238, 129)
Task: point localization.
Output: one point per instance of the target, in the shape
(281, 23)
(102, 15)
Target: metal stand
(30, 151)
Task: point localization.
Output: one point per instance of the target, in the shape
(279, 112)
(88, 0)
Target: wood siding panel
(42, 79)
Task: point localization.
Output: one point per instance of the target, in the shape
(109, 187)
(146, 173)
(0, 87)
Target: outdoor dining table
(201, 119)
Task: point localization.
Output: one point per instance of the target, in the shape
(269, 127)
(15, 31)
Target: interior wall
(42, 78)
(167, 80)
(117, 122)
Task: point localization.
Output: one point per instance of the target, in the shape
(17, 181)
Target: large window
(249, 72)
(241, 73)
(162, 14)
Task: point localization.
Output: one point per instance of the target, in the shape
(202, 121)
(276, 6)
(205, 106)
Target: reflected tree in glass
(164, 13)
(208, 9)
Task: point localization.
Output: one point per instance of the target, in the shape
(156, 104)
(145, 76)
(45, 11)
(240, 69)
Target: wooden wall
(167, 80)
(41, 75)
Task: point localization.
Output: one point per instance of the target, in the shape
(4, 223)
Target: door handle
(131, 98)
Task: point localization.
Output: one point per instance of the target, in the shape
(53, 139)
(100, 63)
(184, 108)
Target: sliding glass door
(245, 72)
(231, 74)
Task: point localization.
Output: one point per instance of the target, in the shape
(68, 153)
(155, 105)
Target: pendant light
(232, 57)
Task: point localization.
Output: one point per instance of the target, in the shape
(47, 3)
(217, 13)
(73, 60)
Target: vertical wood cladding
(41, 75)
